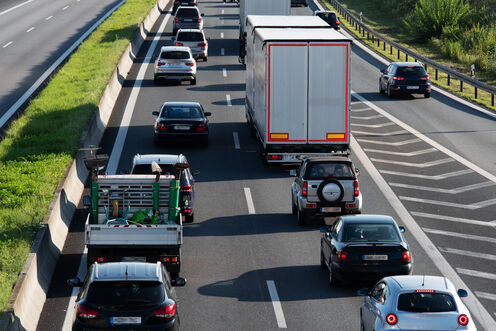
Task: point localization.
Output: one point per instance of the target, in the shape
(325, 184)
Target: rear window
(181, 112)
(174, 55)
(356, 232)
(190, 36)
(426, 302)
(329, 170)
(187, 12)
(126, 293)
(146, 169)
(328, 17)
(411, 71)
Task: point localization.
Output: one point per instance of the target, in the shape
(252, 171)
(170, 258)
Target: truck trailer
(300, 105)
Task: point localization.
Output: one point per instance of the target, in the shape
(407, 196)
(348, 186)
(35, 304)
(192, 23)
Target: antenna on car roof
(423, 280)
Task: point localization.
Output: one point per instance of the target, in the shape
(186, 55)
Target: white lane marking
(222, 51)
(236, 140)
(435, 177)
(222, 34)
(441, 190)
(276, 303)
(428, 140)
(397, 143)
(456, 251)
(415, 165)
(420, 152)
(65, 7)
(115, 156)
(15, 7)
(475, 273)
(224, 72)
(460, 235)
(7, 44)
(72, 301)
(249, 201)
(373, 125)
(478, 311)
(49, 17)
(373, 117)
(360, 110)
(30, 29)
(228, 100)
(380, 134)
(8, 114)
(452, 219)
(485, 295)
(473, 206)
(222, 11)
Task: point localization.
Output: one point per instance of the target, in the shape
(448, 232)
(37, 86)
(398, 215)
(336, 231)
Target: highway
(248, 264)
(35, 33)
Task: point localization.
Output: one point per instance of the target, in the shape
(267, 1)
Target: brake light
(425, 78)
(176, 19)
(398, 78)
(176, 2)
(199, 19)
(161, 63)
(405, 256)
(186, 188)
(190, 64)
(161, 127)
(167, 311)
(304, 189)
(201, 127)
(87, 313)
(425, 291)
(463, 319)
(202, 45)
(102, 259)
(342, 256)
(169, 259)
(274, 157)
(192, 2)
(337, 21)
(391, 319)
(179, 44)
(356, 190)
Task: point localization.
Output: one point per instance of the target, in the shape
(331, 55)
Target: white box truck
(300, 104)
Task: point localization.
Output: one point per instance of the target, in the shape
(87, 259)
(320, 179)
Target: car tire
(323, 265)
(205, 59)
(189, 218)
(427, 95)
(155, 80)
(389, 93)
(174, 275)
(302, 218)
(193, 81)
(156, 141)
(323, 185)
(294, 209)
(381, 91)
(332, 278)
(362, 328)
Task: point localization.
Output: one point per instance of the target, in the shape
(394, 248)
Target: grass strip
(38, 147)
(380, 24)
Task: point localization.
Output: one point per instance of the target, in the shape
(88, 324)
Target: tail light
(161, 63)
(176, 2)
(202, 45)
(199, 19)
(463, 319)
(405, 256)
(176, 19)
(102, 259)
(169, 259)
(186, 188)
(356, 190)
(178, 44)
(304, 189)
(425, 78)
(337, 21)
(192, 3)
(201, 127)
(190, 64)
(275, 157)
(166, 312)
(398, 78)
(391, 319)
(161, 127)
(342, 256)
(87, 313)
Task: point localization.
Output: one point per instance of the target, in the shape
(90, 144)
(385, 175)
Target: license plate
(125, 320)
(181, 127)
(133, 259)
(188, 20)
(330, 209)
(173, 65)
(412, 87)
(375, 257)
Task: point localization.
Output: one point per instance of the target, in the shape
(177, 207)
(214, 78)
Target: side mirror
(74, 282)
(179, 281)
(357, 171)
(292, 173)
(402, 229)
(87, 201)
(324, 229)
(155, 113)
(202, 14)
(462, 293)
(363, 292)
(207, 113)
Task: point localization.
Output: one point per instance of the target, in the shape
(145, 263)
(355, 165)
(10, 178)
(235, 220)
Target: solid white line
(374, 125)
(222, 51)
(72, 301)
(236, 140)
(8, 114)
(421, 152)
(460, 235)
(15, 7)
(485, 295)
(456, 251)
(453, 219)
(115, 156)
(65, 7)
(367, 117)
(360, 110)
(476, 273)
(7, 44)
(249, 201)
(224, 72)
(441, 190)
(30, 29)
(415, 165)
(222, 34)
(380, 134)
(473, 206)
(228, 100)
(397, 143)
(276, 303)
(49, 17)
(478, 311)
(435, 177)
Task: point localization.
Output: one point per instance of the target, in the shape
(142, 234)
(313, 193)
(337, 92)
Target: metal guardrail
(376, 37)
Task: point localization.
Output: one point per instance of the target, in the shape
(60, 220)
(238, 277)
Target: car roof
(181, 103)
(118, 271)
(159, 158)
(368, 218)
(174, 48)
(418, 282)
(324, 12)
(408, 64)
(190, 30)
(188, 7)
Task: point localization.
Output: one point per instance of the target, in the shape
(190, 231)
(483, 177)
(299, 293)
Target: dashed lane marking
(30, 29)
(475, 273)
(397, 143)
(249, 201)
(236, 140)
(485, 295)
(434, 177)
(373, 125)
(224, 72)
(441, 190)
(460, 235)
(7, 44)
(276, 303)
(420, 152)
(49, 17)
(473, 206)
(65, 7)
(222, 34)
(222, 11)
(462, 252)
(228, 100)
(415, 165)
(222, 51)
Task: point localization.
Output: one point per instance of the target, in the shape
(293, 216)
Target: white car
(414, 303)
(195, 40)
(176, 63)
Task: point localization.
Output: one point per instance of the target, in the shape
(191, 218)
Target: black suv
(405, 78)
(126, 295)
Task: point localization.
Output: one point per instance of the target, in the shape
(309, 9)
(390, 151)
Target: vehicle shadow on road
(219, 87)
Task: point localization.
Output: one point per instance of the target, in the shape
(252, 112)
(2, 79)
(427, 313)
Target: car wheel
(381, 91)
(302, 218)
(193, 81)
(294, 209)
(156, 141)
(332, 278)
(427, 95)
(389, 93)
(205, 59)
(323, 265)
(189, 218)
(362, 328)
(155, 80)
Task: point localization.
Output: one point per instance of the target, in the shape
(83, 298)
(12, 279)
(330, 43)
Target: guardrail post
(492, 99)
(398, 54)
(368, 36)
(475, 92)
(390, 49)
(436, 73)
(373, 41)
(461, 86)
(406, 57)
(363, 32)
(384, 46)
(449, 80)
(378, 42)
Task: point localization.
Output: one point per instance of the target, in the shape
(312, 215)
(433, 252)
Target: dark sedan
(364, 248)
(405, 78)
(181, 121)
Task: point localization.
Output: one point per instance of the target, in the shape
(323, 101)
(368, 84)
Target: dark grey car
(187, 18)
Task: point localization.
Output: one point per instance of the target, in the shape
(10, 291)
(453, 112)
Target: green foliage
(431, 17)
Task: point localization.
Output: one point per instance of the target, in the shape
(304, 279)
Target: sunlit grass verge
(38, 147)
(454, 86)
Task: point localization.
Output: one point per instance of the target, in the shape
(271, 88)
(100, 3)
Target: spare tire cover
(330, 190)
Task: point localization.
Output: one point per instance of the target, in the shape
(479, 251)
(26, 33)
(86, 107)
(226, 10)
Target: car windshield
(125, 293)
(426, 302)
(174, 55)
(190, 36)
(364, 232)
(187, 12)
(329, 170)
(411, 71)
(146, 169)
(181, 112)
(328, 17)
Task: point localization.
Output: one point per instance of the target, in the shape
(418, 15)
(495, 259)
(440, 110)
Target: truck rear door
(328, 100)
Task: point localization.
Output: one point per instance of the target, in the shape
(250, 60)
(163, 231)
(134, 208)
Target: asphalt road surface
(429, 163)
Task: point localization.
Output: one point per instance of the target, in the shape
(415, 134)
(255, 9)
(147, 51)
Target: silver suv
(325, 186)
(195, 40)
(175, 62)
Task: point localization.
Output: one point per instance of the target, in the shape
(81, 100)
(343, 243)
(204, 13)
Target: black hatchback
(329, 17)
(405, 78)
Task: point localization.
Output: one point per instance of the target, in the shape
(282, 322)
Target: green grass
(38, 147)
(380, 20)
